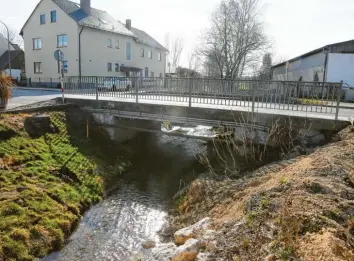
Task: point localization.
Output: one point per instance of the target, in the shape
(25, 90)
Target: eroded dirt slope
(299, 211)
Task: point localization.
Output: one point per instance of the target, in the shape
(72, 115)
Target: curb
(40, 109)
(36, 89)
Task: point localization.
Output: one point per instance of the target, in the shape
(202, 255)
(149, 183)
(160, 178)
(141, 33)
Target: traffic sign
(59, 55)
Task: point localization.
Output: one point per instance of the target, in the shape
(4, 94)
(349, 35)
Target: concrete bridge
(144, 103)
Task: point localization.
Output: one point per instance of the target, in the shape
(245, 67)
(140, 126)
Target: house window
(159, 56)
(146, 72)
(142, 52)
(37, 43)
(152, 74)
(117, 69)
(150, 55)
(117, 44)
(65, 66)
(129, 51)
(62, 40)
(42, 18)
(37, 67)
(110, 43)
(53, 16)
(109, 65)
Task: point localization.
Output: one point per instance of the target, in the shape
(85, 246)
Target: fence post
(96, 78)
(137, 90)
(253, 96)
(62, 89)
(190, 92)
(339, 92)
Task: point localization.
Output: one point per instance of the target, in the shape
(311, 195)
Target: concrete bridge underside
(203, 116)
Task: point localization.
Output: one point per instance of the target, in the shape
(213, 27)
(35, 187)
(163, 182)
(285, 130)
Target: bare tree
(14, 36)
(210, 67)
(265, 72)
(236, 39)
(194, 61)
(176, 51)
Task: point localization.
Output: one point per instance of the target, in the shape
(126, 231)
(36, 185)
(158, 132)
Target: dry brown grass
(324, 246)
(249, 147)
(308, 216)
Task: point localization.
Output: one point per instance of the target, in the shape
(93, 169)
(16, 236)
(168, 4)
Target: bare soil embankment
(303, 210)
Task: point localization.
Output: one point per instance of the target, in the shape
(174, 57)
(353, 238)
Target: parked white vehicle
(115, 84)
(16, 73)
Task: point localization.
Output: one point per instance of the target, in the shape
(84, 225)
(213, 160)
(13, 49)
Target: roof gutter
(82, 28)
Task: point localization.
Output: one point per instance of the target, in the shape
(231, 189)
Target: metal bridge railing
(277, 95)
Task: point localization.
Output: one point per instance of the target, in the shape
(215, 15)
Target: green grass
(45, 186)
(312, 102)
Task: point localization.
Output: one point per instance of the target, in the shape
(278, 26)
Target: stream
(136, 203)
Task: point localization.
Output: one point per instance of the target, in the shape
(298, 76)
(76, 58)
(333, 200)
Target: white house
(93, 43)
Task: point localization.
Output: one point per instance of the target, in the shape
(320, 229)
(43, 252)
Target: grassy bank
(301, 209)
(45, 184)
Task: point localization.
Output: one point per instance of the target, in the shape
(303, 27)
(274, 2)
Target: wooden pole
(87, 128)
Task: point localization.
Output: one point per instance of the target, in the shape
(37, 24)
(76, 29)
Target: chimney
(128, 24)
(86, 6)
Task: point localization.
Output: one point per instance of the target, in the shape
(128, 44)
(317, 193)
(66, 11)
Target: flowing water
(136, 204)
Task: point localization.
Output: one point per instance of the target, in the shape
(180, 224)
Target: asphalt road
(21, 97)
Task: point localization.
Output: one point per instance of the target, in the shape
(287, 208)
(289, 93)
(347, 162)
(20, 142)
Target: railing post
(253, 96)
(190, 92)
(137, 90)
(62, 89)
(96, 78)
(338, 98)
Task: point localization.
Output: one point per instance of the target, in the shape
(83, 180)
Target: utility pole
(8, 46)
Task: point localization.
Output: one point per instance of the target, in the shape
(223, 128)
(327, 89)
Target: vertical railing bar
(321, 100)
(285, 89)
(253, 86)
(333, 99)
(327, 101)
(289, 97)
(339, 90)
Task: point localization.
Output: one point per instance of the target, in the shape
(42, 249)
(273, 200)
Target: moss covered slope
(45, 186)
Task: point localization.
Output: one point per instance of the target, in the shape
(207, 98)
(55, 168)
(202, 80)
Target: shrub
(5, 89)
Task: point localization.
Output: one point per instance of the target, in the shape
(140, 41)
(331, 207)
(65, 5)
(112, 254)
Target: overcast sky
(294, 26)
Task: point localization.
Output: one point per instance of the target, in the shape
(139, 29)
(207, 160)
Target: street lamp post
(8, 47)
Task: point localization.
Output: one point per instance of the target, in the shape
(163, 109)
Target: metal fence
(43, 82)
(296, 96)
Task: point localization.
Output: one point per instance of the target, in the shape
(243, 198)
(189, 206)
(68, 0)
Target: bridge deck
(307, 111)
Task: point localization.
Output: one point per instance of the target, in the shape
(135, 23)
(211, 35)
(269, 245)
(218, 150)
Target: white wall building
(93, 42)
(331, 63)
